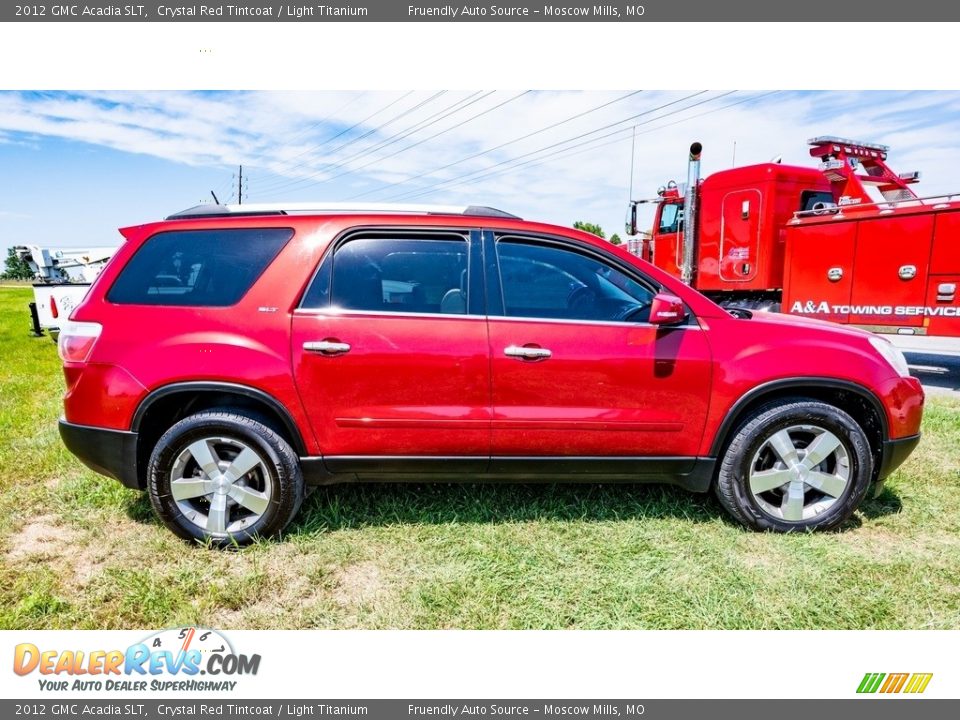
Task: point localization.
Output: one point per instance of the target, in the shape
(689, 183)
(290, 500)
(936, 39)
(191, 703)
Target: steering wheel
(581, 299)
(630, 311)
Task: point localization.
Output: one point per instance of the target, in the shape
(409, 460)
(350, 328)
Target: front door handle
(327, 347)
(527, 353)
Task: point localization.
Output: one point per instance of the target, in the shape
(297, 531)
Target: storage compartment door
(819, 270)
(740, 235)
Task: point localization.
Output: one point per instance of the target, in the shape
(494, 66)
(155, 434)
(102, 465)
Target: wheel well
(164, 411)
(859, 406)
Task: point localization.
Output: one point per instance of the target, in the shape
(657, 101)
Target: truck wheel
(795, 464)
(224, 478)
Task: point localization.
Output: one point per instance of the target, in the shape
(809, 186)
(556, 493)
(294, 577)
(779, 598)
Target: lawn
(79, 551)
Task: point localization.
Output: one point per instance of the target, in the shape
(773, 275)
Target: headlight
(892, 355)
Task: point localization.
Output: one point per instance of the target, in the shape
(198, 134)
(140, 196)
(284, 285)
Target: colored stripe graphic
(918, 682)
(894, 683)
(870, 682)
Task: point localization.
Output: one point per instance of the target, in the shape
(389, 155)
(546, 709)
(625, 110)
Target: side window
(550, 282)
(671, 218)
(200, 268)
(385, 274)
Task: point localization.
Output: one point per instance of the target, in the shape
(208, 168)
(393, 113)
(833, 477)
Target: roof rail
(333, 208)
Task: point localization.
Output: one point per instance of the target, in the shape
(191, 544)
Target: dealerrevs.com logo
(181, 659)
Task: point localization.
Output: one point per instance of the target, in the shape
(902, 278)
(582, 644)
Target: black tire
(732, 487)
(278, 477)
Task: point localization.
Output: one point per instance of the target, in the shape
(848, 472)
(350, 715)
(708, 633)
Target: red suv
(231, 357)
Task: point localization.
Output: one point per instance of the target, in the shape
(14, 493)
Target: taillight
(53, 307)
(77, 339)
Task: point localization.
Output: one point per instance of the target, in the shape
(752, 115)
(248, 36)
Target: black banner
(509, 11)
(211, 707)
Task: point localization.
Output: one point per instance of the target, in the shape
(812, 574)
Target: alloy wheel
(799, 473)
(221, 484)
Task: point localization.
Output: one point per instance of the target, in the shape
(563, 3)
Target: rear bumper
(109, 452)
(894, 454)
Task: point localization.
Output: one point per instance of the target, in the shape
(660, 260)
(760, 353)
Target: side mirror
(667, 310)
(630, 225)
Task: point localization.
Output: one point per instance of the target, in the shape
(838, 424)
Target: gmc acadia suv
(230, 358)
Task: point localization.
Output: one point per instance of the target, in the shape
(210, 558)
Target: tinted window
(401, 275)
(318, 294)
(197, 267)
(671, 218)
(545, 281)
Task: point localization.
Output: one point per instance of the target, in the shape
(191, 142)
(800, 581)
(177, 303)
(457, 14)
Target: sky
(75, 166)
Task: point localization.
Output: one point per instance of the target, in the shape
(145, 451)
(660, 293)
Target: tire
(826, 493)
(246, 484)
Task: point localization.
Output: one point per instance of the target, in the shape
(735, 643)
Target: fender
(226, 387)
(784, 384)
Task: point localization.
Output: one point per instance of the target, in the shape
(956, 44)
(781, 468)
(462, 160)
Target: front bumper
(894, 453)
(109, 452)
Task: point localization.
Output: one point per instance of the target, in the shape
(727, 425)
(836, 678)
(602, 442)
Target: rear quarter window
(211, 268)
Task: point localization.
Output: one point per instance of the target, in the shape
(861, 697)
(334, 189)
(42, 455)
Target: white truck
(62, 277)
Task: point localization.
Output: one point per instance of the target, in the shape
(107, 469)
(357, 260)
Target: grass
(79, 551)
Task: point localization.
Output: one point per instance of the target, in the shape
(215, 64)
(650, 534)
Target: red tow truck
(848, 241)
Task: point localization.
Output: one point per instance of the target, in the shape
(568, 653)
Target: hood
(781, 320)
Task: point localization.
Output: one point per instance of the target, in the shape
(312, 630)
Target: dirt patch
(358, 583)
(41, 537)
(57, 546)
(762, 561)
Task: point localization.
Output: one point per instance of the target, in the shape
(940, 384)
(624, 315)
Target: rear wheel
(796, 464)
(224, 478)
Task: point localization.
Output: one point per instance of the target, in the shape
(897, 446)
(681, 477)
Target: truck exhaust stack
(690, 212)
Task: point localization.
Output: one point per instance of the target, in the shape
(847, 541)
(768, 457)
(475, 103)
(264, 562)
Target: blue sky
(76, 166)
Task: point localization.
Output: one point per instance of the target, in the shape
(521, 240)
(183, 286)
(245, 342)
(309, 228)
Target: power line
(290, 182)
(325, 119)
(282, 182)
(500, 146)
(426, 122)
(446, 130)
(564, 154)
(429, 137)
(484, 171)
(342, 133)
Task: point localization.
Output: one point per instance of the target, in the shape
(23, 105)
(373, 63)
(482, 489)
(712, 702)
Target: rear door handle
(527, 353)
(327, 347)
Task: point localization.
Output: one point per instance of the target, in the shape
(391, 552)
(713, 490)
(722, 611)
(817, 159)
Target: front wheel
(224, 478)
(796, 464)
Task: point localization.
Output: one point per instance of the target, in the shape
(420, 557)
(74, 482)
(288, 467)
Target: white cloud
(289, 143)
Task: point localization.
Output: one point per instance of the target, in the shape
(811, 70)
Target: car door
(391, 353)
(577, 369)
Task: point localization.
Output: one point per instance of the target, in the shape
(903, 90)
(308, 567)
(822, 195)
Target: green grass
(78, 550)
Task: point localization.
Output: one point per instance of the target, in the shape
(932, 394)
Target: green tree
(590, 228)
(16, 269)
(615, 240)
